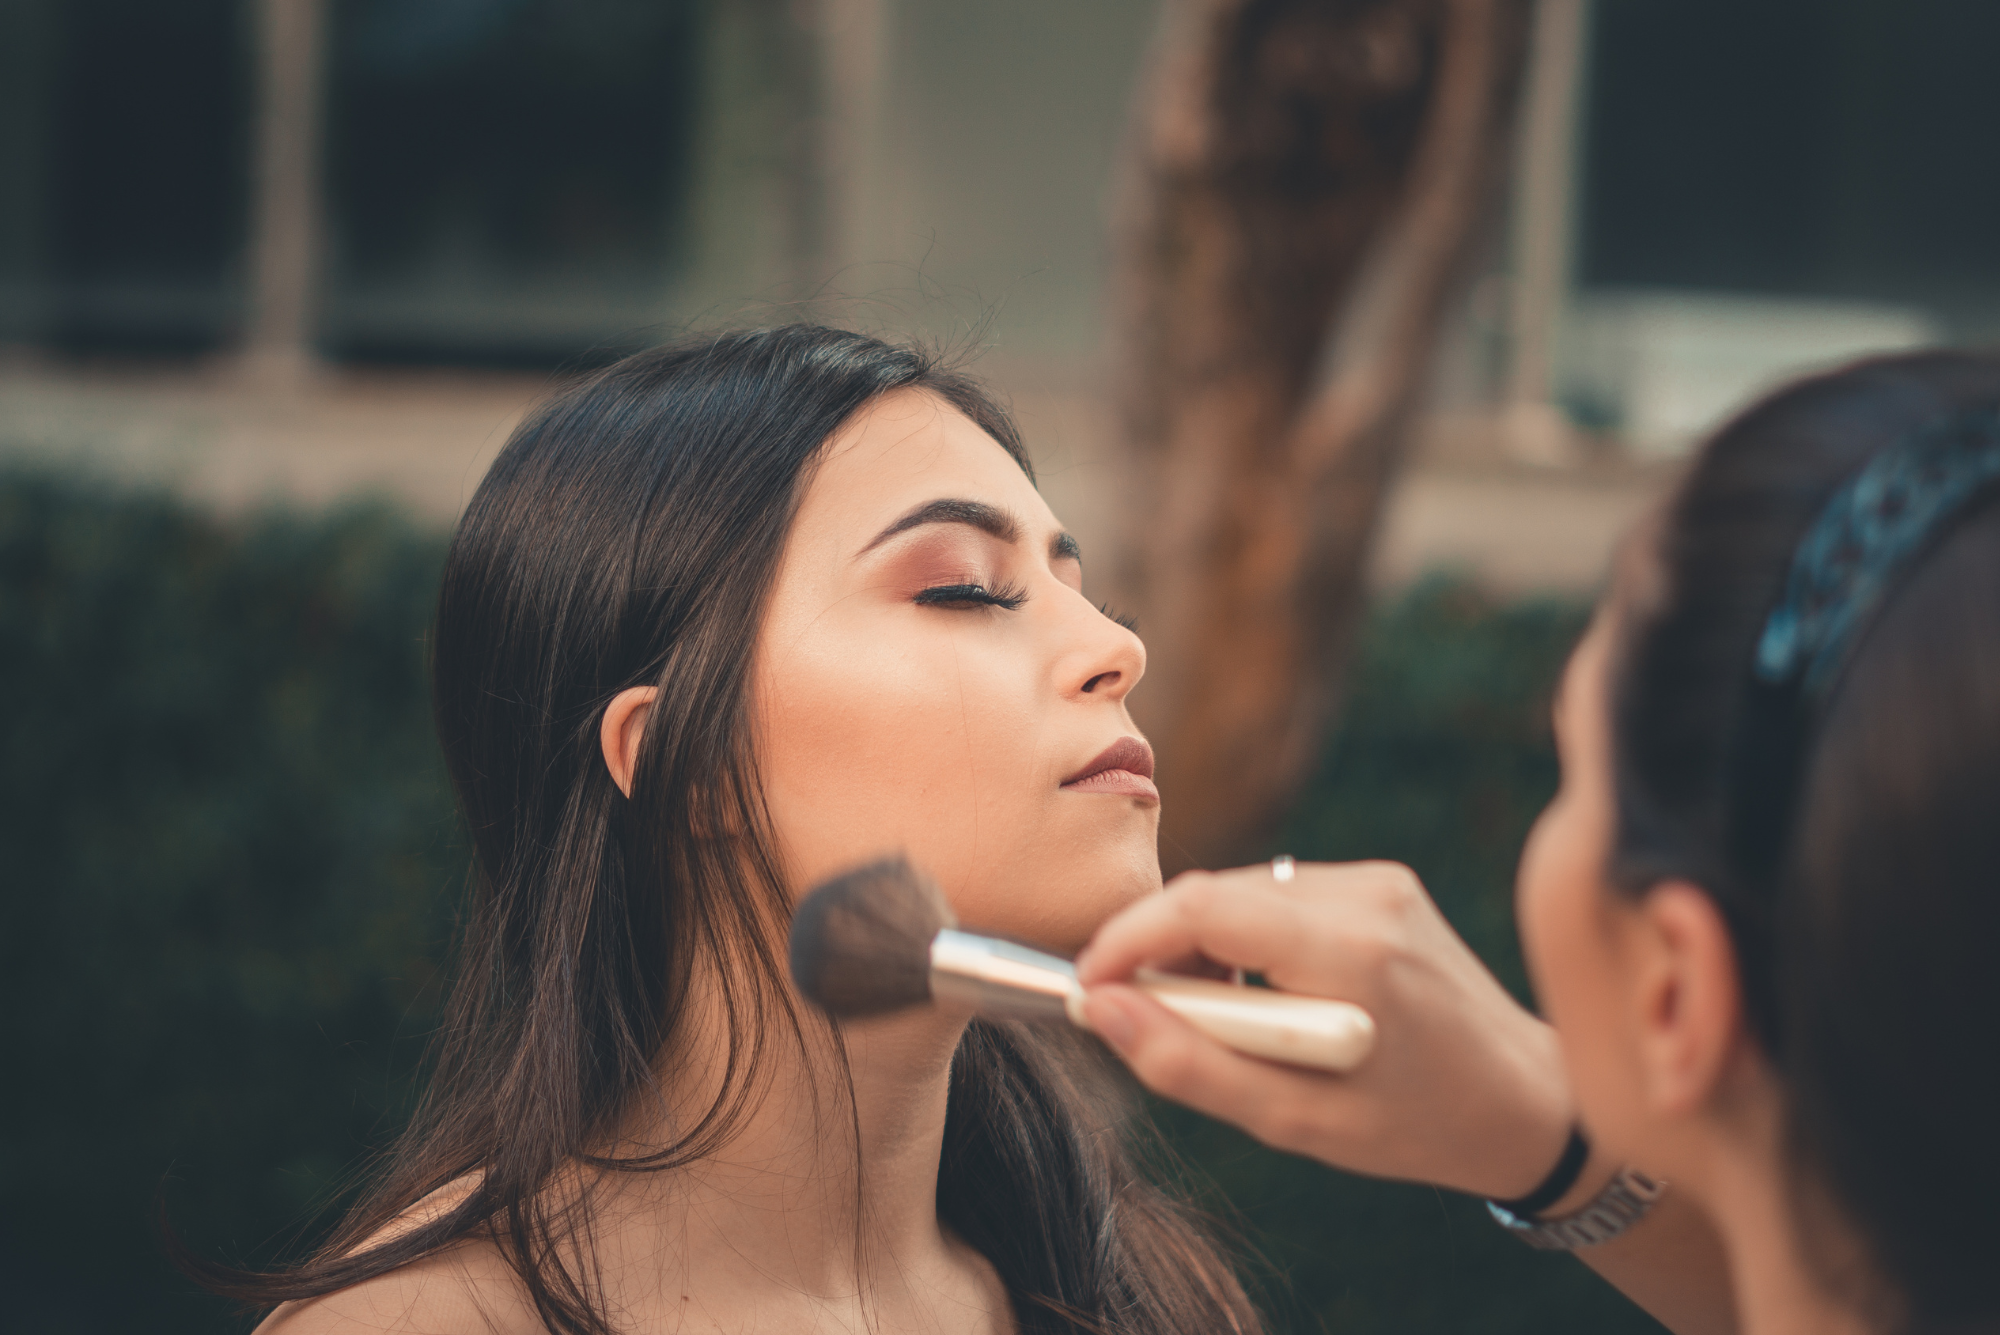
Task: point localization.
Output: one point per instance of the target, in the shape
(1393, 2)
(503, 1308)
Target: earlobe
(624, 724)
(1691, 1016)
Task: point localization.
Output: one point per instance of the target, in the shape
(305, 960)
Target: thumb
(1173, 1058)
(1109, 1011)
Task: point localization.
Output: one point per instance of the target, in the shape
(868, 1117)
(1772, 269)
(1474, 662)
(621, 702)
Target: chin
(1069, 903)
(1053, 888)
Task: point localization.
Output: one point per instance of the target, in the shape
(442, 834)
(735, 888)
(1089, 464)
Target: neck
(809, 1194)
(1781, 1276)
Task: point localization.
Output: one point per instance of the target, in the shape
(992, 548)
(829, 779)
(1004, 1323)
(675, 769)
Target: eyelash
(1007, 596)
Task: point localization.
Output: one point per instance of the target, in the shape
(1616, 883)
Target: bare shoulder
(467, 1289)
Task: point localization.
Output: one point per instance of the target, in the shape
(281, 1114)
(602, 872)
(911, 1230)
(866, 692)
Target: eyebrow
(978, 514)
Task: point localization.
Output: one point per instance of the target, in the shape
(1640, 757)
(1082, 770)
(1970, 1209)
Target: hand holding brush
(882, 938)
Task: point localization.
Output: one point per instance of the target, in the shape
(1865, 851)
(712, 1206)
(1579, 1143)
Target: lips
(1124, 768)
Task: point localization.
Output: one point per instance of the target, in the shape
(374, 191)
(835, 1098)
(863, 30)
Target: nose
(1100, 659)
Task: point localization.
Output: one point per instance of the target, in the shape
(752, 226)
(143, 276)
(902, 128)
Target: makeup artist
(1759, 915)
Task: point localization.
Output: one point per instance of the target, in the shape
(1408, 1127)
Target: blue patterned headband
(1862, 537)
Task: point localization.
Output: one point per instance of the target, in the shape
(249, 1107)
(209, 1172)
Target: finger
(1157, 932)
(1316, 880)
(1231, 924)
(1177, 1061)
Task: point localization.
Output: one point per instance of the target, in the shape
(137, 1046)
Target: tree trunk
(1303, 183)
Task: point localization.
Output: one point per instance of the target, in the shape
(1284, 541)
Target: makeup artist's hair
(627, 536)
(1851, 837)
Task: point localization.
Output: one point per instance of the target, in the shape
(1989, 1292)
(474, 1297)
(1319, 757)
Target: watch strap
(1624, 1202)
(1569, 1167)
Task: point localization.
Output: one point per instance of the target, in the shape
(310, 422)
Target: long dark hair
(626, 536)
(1852, 837)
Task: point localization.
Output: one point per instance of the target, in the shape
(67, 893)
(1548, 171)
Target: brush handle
(1300, 1031)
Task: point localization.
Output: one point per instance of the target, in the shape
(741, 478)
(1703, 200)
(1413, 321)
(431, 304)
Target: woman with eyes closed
(725, 619)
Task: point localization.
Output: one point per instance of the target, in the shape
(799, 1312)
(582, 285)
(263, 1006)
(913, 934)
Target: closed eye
(965, 596)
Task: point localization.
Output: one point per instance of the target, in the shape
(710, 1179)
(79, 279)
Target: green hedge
(230, 862)
(228, 855)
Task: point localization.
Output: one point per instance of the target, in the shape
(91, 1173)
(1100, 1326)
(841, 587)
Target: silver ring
(1283, 868)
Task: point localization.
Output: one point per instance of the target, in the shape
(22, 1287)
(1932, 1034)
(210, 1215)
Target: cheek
(949, 746)
(1542, 902)
(1567, 938)
(867, 747)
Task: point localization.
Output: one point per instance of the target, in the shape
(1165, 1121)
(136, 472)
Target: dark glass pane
(1831, 147)
(1706, 161)
(500, 166)
(1918, 202)
(145, 170)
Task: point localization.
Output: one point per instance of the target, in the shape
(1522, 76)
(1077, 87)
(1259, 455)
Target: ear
(1689, 996)
(624, 724)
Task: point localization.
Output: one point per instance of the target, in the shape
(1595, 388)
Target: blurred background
(278, 276)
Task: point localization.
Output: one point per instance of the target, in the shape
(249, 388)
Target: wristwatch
(1623, 1203)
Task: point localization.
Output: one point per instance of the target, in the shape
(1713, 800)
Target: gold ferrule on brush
(999, 977)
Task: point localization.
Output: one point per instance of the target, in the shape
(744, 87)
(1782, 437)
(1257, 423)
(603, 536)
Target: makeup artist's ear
(1688, 996)
(624, 724)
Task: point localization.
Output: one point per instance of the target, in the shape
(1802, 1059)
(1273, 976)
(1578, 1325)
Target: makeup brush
(881, 938)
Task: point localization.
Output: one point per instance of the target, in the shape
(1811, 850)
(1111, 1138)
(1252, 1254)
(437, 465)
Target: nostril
(1092, 684)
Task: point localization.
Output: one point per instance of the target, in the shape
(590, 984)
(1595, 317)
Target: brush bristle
(861, 942)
